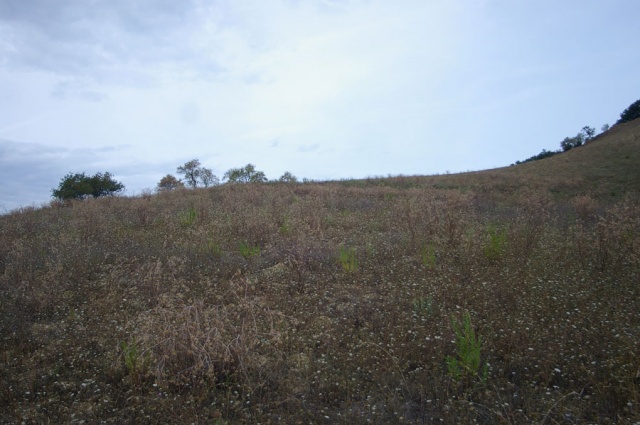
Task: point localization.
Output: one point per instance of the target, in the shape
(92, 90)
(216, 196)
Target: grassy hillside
(606, 168)
(505, 296)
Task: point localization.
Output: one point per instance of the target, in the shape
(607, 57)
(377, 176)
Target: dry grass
(327, 303)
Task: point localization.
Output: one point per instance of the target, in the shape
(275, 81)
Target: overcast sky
(325, 89)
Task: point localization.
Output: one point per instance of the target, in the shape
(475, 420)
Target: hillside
(505, 296)
(605, 168)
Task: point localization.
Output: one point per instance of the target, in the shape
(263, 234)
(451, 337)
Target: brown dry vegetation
(333, 302)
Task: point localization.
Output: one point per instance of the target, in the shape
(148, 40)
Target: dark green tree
(103, 184)
(631, 113)
(246, 174)
(80, 186)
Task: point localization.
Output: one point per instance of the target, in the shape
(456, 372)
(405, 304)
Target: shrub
(542, 155)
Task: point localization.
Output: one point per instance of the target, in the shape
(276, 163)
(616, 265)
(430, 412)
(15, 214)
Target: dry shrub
(585, 207)
(431, 216)
(612, 244)
(532, 217)
(615, 242)
(195, 344)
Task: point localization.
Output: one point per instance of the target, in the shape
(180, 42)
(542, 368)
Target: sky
(324, 89)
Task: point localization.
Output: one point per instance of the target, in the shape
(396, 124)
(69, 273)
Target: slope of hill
(505, 296)
(606, 167)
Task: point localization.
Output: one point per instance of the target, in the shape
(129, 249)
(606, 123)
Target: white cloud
(322, 88)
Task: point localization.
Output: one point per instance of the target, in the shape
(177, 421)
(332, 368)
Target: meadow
(509, 296)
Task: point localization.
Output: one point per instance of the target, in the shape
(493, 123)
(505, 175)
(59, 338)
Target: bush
(542, 155)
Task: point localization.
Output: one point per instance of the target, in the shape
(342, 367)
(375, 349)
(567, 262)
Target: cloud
(190, 113)
(105, 41)
(67, 89)
(308, 148)
(322, 88)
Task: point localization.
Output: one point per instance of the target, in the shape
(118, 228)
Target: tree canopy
(631, 113)
(80, 186)
(168, 183)
(287, 177)
(586, 134)
(194, 174)
(246, 174)
(191, 172)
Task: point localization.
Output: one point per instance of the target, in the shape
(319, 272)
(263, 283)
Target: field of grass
(509, 296)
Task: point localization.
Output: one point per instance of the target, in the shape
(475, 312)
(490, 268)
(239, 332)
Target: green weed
(423, 306)
(496, 245)
(215, 248)
(428, 257)
(466, 364)
(249, 251)
(188, 217)
(348, 259)
(285, 227)
(133, 360)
